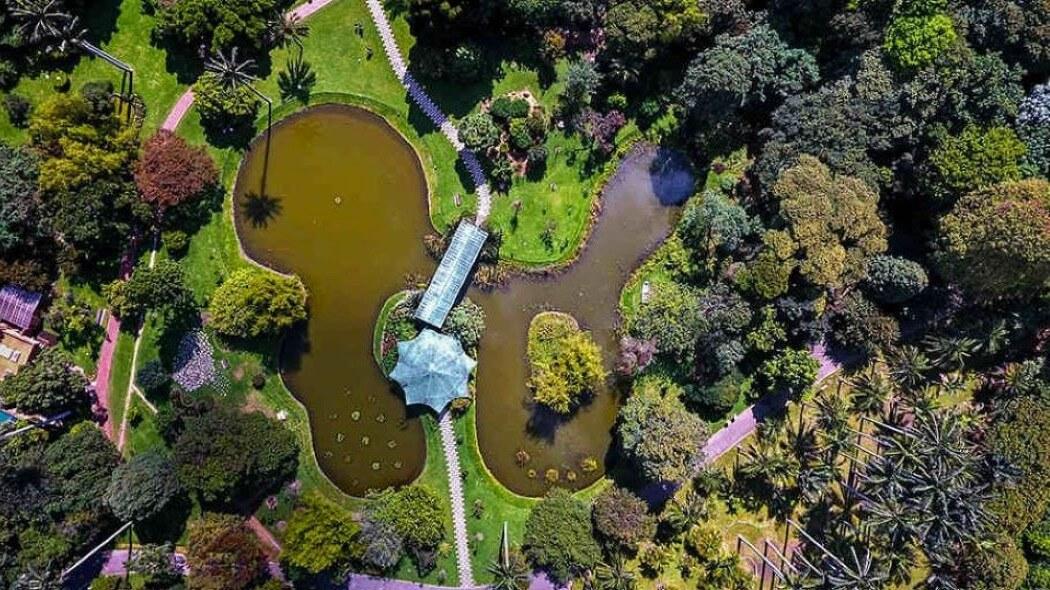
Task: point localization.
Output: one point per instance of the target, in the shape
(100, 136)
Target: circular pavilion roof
(432, 369)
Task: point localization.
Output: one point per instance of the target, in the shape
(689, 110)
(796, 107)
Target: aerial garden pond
(339, 198)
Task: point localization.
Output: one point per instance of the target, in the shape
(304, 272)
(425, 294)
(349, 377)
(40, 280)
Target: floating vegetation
(375, 466)
(381, 418)
(348, 459)
(355, 415)
(570, 475)
(588, 464)
(365, 440)
(333, 416)
(340, 437)
(391, 444)
(531, 473)
(522, 457)
(397, 464)
(328, 454)
(551, 475)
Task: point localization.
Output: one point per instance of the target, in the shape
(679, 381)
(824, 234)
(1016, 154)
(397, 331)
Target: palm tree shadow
(260, 209)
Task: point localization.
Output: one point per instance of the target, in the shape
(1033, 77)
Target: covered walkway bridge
(451, 274)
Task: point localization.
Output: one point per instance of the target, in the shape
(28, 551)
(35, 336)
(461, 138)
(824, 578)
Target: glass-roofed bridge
(451, 274)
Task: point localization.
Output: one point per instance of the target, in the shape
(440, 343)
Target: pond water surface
(345, 207)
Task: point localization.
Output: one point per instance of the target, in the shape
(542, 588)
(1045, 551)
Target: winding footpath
(432, 111)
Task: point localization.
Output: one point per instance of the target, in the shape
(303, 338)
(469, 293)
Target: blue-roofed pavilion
(451, 274)
(432, 369)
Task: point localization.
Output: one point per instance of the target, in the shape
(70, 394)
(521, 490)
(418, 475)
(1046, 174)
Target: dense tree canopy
(216, 24)
(254, 302)
(622, 517)
(662, 438)
(317, 539)
(141, 488)
(48, 385)
(995, 242)
(171, 172)
(223, 554)
(565, 363)
(558, 536)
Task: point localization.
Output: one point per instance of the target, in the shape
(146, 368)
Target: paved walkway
(104, 367)
(432, 111)
(455, 494)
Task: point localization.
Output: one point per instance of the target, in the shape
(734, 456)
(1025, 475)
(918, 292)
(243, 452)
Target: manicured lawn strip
(119, 378)
(128, 40)
(498, 503)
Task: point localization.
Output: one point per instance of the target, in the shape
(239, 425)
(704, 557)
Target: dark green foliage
(637, 32)
(558, 536)
(466, 322)
(177, 242)
(582, 80)
(892, 279)
(506, 108)
(153, 379)
(20, 220)
(217, 24)
(743, 72)
(79, 464)
(659, 435)
(1000, 567)
(296, 79)
(415, 513)
(161, 288)
(720, 397)
(671, 317)
(18, 108)
(381, 546)
(223, 554)
(479, 132)
(223, 453)
(859, 325)
(48, 385)
(141, 488)
(219, 105)
(715, 223)
(622, 518)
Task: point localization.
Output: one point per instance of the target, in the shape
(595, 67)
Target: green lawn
(121, 28)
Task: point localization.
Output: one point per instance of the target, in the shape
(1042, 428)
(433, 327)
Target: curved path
(432, 111)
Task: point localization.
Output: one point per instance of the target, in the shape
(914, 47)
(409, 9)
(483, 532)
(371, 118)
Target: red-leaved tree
(172, 172)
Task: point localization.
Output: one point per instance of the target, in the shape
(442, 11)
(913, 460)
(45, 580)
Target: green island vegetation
(830, 374)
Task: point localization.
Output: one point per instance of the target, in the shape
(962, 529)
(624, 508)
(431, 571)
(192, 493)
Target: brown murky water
(351, 255)
(638, 209)
(354, 253)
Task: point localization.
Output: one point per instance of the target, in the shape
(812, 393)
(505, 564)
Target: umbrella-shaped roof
(432, 369)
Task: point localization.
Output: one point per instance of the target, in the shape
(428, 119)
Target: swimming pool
(5, 417)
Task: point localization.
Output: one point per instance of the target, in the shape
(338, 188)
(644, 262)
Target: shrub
(520, 137)
(537, 155)
(565, 363)
(1000, 568)
(1022, 437)
(161, 288)
(720, 397)
(171, 172)
(892, 279)
(217, 104)
(792, 371)
(382, 547)
(18, 109)
(223, 554)
(479, 132)
(558, 536)
(671, 317)
(506, 108)
(153, 379)
(415, 513)
(466, 322)
(581, 82)
(48, 385)
(254, 302)
(316, 539)
(975, 159)
(99, 96)
(176, 241)
(622, 517)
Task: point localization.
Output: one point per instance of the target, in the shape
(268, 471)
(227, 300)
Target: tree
(381, 546)
(161, 287)
(582, 80)
(511, 574)
(975, 159)
(141, 488)
(715, 224)
(1022, 437)
(892, 279)
(622, 518)
(254, 302)
(415, 513)
(78, 466)
(171, 172)
(217, 24)
(671, 317)
(48, 385)
(599, 130)
(834, 220)
(1033, 127)
(915, 41)
(565, 363)
(1000, 568)
(743, 72)
(791, 371)
(479, 132)
(995, 242)
(316, 539)
(466, 322)
(639, 31)
(223, 554)
(558, 536)
(859, 325)
(222, 453)
(218, 103)
(663, 439)
(19, 209)
(155, 564)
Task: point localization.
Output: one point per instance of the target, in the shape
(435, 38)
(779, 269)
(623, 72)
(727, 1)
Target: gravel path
(431, 109)
(455, 490)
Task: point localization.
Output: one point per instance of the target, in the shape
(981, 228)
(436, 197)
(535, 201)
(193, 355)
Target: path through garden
(432, 111)
(455, 491)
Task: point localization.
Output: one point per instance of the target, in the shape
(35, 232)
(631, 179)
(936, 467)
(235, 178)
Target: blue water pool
(5, 417)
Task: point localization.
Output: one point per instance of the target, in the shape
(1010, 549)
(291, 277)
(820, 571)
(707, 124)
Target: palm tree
(296, 79)
(908, 366)
(287, 28)
(686, 510)
(859, 575)
(511, 573)
(234, 73)
(871, 390)
(950, 352)
(766, 461)
(614, 575)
